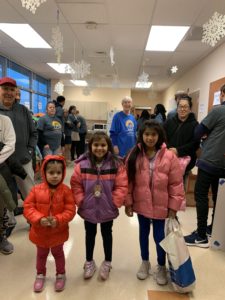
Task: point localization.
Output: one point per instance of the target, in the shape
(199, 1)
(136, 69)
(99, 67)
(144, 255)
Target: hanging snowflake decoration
(57, 42)
(174, 69)
(78, 70)
(32, 5)
(143, 80)
(59, 88)
(143, 77)
(214, 30)
(111, 54)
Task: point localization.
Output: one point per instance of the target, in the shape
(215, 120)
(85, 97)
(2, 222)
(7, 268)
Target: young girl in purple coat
(99, 184)
(155, 192)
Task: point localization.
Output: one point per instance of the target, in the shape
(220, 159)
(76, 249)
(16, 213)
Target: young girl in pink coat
(155, 192)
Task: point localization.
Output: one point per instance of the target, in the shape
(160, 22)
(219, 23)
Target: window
(39, 103)
(20, 74)
(34, 88)
(25, 98)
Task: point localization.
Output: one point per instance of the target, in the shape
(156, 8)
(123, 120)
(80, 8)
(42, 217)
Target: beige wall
(112, 97)
(146, 98)
(199, 78)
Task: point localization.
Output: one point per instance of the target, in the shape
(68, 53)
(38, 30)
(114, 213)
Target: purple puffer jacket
(114, 186)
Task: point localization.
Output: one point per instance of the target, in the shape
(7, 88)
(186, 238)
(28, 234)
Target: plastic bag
(179, 260)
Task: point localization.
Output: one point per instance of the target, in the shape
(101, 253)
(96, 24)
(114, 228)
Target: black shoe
(18, 211)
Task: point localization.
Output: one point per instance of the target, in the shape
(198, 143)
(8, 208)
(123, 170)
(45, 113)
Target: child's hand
(53, 222)
(172, 213)
(44, 222)
(129, 211)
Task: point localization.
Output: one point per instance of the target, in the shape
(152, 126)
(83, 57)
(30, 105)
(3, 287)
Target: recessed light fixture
(25, 35)
(165, 38)
(143, 85)
(79, 82)
(60, 68)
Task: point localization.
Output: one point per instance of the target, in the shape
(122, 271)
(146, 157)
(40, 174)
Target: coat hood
(49, 158)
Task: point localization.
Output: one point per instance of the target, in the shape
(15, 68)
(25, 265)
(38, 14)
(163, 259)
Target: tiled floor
(17, 271)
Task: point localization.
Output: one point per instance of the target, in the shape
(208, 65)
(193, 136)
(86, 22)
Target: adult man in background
(211, 167)
(123, 129)
(26, 133)
(8, 139)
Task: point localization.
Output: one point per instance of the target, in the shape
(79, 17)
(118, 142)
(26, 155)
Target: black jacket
(180, 135)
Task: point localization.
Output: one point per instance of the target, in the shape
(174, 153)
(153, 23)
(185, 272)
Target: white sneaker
(161, 275)
(143, 271)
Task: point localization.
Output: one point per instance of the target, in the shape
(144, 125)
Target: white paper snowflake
(174, 69)
(214, 29)
(143, 77)
(57, 42)
(59, 88)
(32, 5)
(111, 54)
(78, 70)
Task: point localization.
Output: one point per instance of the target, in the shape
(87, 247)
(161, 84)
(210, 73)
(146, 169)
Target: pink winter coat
(167, 185)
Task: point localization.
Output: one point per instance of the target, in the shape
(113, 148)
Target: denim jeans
(158, 235)
(203, 182)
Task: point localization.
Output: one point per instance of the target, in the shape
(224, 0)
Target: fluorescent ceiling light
(60, 68)
(25, 35)
(79, 82)
(143, 85)
(165, 38)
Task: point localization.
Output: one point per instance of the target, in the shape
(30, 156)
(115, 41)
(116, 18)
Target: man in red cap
(26, 133)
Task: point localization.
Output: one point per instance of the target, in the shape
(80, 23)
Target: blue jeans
(158, 235)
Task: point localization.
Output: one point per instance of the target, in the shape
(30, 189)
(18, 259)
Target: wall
(146, 98)
(199, 77)
(113, 97)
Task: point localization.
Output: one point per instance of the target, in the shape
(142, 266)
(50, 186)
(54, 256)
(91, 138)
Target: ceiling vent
(90, 25)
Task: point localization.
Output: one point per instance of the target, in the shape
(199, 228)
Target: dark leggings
(106, 231)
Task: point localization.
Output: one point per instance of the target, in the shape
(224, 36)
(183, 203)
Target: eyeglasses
(185, 107)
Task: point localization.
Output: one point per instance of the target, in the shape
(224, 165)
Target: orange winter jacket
(41, 202)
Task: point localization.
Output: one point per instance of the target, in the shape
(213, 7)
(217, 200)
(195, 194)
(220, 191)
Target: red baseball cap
(8, 80)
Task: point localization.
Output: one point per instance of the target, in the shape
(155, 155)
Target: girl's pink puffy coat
(167, 186)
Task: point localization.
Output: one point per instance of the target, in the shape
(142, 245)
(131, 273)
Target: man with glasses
(26, 134)
(180, 132)
(211, 167)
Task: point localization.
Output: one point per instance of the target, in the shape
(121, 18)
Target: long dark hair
(98, 135)
(151, 124)
(160, 109)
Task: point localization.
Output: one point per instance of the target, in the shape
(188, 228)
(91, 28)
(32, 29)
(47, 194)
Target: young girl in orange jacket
(155, 192)
(49, 208)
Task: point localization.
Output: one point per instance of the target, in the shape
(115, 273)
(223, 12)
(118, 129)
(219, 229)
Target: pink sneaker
(89, 269)
(39, 283)
(60, 282)
(105, 269)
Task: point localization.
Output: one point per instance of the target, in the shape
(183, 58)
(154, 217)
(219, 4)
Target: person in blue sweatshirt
(123, 129)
